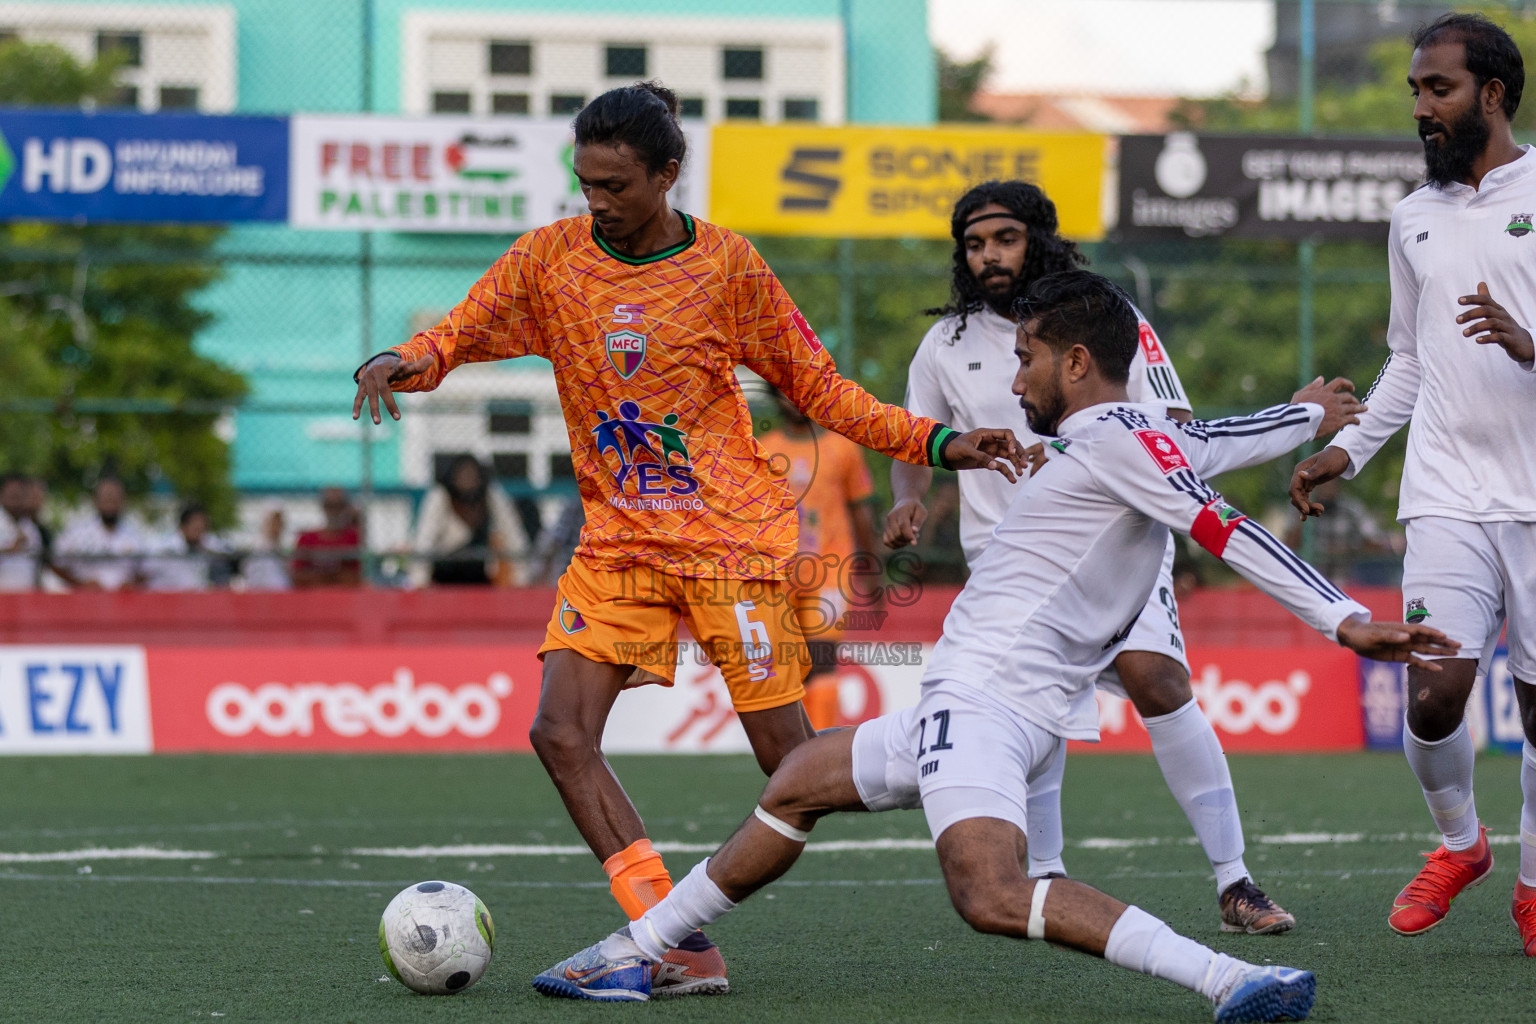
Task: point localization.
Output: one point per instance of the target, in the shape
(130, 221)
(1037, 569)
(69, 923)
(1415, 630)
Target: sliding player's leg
(975, 757)
(1451, 574)
(816, 779)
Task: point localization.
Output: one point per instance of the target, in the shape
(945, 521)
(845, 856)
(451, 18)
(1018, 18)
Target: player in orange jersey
(644, 313)
(836, 566)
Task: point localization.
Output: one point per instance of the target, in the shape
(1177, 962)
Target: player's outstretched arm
(1396, 641)
(374, 380)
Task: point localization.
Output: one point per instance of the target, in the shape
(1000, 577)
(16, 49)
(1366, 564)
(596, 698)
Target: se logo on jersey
(1163, 451)
(649, 463)
(1151, 348)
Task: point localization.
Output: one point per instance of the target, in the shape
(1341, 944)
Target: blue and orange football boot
(613, 970)
(1269, 993)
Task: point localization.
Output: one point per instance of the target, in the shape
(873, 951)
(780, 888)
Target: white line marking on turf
(831, 846)
(514, 850)
(123, 853)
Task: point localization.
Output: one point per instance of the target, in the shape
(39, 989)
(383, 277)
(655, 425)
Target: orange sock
(638, 878)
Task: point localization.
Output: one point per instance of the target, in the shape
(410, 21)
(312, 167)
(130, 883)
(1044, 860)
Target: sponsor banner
(866, 182)
(1203, 186)
(694, 715)
(1258, 699)
(344, 698)
(142, 168)
(449, 174)
(73, 700)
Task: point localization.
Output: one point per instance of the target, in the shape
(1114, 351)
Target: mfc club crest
(1520, 224)
(626, 351)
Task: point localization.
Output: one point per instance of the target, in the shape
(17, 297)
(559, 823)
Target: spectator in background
(102, 549)
(189, 559)
(330, 556)
(557, 544)
(265, 568)
(21, 545)
(827, 475)
(466, 531)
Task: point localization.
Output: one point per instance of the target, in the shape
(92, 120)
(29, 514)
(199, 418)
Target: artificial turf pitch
(280, 922)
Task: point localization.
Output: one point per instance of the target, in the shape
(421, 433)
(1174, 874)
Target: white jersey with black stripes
(966, 380)
(1051, 601)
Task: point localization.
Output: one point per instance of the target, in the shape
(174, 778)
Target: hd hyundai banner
(138, 168)
(1252, 186)
(128, 699)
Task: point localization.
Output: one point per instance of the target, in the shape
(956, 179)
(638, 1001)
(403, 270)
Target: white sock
(1143, 943)
(1042, 812)
(1528, 815)
(1195, 769)
(693, 903)
(1444, 771)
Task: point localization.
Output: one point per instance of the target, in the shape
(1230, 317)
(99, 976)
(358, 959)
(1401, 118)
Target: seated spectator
(330, 556)
(189, 559)
(467, 531)
(557, 544)
(21, 544)
(265, 568)
(101, 549)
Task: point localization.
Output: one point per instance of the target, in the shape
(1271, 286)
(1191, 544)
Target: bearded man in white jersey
(1463, 271)
(1006, 238)
(1042, 615)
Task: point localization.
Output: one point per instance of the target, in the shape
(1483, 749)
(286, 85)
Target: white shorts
(1465, 579)
(1156, 629)
(959, 754)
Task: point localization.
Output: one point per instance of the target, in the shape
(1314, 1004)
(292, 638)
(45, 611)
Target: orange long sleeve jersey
(644, 353)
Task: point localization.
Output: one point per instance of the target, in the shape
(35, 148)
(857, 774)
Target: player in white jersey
(1044, 612)
(1468, 495)
(1005, 239)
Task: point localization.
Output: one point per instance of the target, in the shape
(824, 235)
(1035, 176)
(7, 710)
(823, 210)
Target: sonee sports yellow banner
(858, 182)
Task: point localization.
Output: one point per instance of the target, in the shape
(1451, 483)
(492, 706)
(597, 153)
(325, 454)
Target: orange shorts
(748, 628)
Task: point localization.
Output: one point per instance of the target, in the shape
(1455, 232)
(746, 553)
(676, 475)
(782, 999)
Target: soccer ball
(436, 938)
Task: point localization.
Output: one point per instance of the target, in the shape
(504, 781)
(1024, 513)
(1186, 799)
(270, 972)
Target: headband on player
(990, 216)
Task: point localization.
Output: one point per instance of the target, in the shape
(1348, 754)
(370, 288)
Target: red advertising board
(343, 698)
(1259, 699)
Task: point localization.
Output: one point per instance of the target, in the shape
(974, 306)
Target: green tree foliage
(97, 325)
(959, 81)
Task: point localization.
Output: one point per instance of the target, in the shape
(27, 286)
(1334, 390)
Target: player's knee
(558, 742)
(980, 908)
(1157, 685)
(1433, 713)
(790, 793)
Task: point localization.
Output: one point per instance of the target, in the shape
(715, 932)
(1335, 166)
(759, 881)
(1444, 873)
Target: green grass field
(278, 922)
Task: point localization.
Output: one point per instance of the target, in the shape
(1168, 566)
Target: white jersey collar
(1497, 178)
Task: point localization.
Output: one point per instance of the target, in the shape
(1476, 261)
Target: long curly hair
(1046, 252)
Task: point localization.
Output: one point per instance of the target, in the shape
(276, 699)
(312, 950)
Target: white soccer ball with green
(436, 938)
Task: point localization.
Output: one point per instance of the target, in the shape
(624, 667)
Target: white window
(549, 65)
(174, 57)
